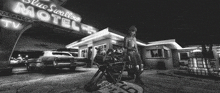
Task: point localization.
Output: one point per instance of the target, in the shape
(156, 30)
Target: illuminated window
(102, 46)
(118, 48)
(157, 53)
(166, 53)
(83, 52)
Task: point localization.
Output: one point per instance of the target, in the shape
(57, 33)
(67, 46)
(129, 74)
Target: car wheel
(73, 68)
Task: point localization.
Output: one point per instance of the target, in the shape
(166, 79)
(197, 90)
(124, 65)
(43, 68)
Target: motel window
(102, 46)
(118, 48)
(184, 56)
(166, 53)
(75, 54)
(155, 53)
(83, 52)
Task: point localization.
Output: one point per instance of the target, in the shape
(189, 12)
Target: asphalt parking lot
(65, 81)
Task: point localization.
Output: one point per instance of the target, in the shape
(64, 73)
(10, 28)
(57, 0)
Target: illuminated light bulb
(74, 26)
(56, 18)
(65, 22)
(43, 15)
(20, 9)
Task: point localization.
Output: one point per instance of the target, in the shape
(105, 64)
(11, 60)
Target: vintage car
(52, 60)
(14, 61)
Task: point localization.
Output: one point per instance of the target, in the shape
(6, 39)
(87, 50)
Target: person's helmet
(132, 28)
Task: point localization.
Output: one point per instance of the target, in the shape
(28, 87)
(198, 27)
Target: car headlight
(39, 64)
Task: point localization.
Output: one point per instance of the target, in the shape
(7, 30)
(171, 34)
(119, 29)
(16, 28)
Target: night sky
(187, 21)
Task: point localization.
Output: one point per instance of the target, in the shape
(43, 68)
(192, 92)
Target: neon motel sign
(50, 13)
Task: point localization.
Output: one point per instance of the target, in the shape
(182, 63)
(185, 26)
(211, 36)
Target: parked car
(53, 60)
(31, 64)
(81, 61)
(14, 61)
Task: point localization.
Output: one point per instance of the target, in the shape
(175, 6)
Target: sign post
(8, 41)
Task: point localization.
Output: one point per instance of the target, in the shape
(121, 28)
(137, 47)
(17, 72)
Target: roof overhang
(105, 33)
(171, 43)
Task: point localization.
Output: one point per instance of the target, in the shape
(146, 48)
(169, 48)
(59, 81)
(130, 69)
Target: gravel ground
(73, 82)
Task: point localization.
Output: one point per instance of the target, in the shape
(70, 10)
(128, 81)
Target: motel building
(161, 54)
(18, 16)
(106, 38)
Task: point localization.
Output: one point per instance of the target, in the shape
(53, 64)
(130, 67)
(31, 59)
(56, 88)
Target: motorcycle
(111, 64)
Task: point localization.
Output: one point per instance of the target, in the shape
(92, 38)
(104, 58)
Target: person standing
(132, 54)
(89, 57)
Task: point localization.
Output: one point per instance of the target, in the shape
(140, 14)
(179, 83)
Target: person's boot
(131, 76)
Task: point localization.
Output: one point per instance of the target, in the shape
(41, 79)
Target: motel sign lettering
(53, 8)
(50, 13)
(10, 24)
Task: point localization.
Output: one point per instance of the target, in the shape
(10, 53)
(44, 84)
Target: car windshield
(62, 54)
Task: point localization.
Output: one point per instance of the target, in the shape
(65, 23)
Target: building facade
(106, 38)
(161, 54)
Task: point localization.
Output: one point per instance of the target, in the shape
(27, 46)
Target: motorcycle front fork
(96, 78)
